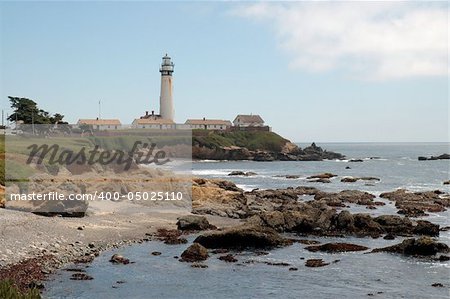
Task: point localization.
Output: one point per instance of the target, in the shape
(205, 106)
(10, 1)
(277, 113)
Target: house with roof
(248, 120)
(208, 124)
(153, 123)
(101, 124)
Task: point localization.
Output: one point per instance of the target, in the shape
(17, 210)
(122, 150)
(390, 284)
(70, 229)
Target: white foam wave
(246, 187)
(211, 172)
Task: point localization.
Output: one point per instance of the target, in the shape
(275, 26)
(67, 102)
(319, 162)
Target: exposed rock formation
(355, 179)
(194, 253)
(281, 210)
(193, 222)
(347, 196)
(256, 146)
(414, 204)
(325, 175)
(242, 237)
(241, 173)
(424, 246)
(314, 263)
(118, 259)
(441, 157)
(336, 247)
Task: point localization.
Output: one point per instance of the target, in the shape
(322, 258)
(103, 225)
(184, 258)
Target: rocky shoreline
(235, 220)
(289, 152)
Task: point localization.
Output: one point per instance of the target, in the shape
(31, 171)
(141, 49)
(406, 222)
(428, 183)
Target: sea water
(349, 275)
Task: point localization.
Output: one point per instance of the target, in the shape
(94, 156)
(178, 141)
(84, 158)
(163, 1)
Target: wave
(211, 172)
(247, 187)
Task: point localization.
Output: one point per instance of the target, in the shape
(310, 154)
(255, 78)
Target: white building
(208, 124)
(151, 123)
(243, 120)
(101, 124)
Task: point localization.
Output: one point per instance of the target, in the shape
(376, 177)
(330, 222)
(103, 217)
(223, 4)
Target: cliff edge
(256, 146)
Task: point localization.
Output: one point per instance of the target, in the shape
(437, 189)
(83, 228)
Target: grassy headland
(258, 140)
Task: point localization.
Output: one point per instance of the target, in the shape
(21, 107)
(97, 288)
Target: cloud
(368, 40)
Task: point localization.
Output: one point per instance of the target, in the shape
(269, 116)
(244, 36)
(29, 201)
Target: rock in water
(441, 157)
(325, 175)
(81, 276)
(192, 222)
(427, 228)
(243, 237)
(229, 258)
(315, 263)
(194, 253)
(424, 246)
(336, 247)
(118, 259)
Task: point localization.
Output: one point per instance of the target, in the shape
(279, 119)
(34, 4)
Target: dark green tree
(27, 110)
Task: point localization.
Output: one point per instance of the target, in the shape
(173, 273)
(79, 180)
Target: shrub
(9, 291)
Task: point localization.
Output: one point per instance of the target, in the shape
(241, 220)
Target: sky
(314, 71)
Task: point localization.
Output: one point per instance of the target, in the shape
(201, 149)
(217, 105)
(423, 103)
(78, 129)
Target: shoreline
(36, 246)
(41, 245)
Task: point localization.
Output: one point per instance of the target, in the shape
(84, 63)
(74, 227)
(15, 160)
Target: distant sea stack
(254, 145)
(441, 157)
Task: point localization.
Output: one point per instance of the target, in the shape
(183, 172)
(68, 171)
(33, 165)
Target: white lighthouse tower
(166, 98)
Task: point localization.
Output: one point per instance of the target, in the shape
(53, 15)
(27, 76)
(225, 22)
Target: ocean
(352, 275)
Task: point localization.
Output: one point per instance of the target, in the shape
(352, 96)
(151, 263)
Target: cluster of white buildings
(165, 120)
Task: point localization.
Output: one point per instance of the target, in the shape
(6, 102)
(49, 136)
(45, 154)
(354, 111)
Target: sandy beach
(107, 224)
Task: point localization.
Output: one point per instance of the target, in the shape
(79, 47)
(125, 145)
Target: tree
(26, 110)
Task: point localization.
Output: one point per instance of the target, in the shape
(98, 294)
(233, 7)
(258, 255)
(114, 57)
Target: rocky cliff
(256, 146)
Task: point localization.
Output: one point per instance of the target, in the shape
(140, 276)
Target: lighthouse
(166, 97)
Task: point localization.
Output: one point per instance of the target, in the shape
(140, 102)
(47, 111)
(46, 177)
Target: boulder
(315, 263)
(243, 237)
(170, 236)
(263, 156)
(236, 173)
(119, 259)
(194, 253)
(423, 246)
(193, 222)
(345, 221)
(394, 224)
(229, 258)
(365, 225)
(81, 276)
(427, 228)
(346, 196)
(349, 180)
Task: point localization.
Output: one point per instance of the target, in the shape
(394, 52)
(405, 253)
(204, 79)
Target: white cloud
(369, 40)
